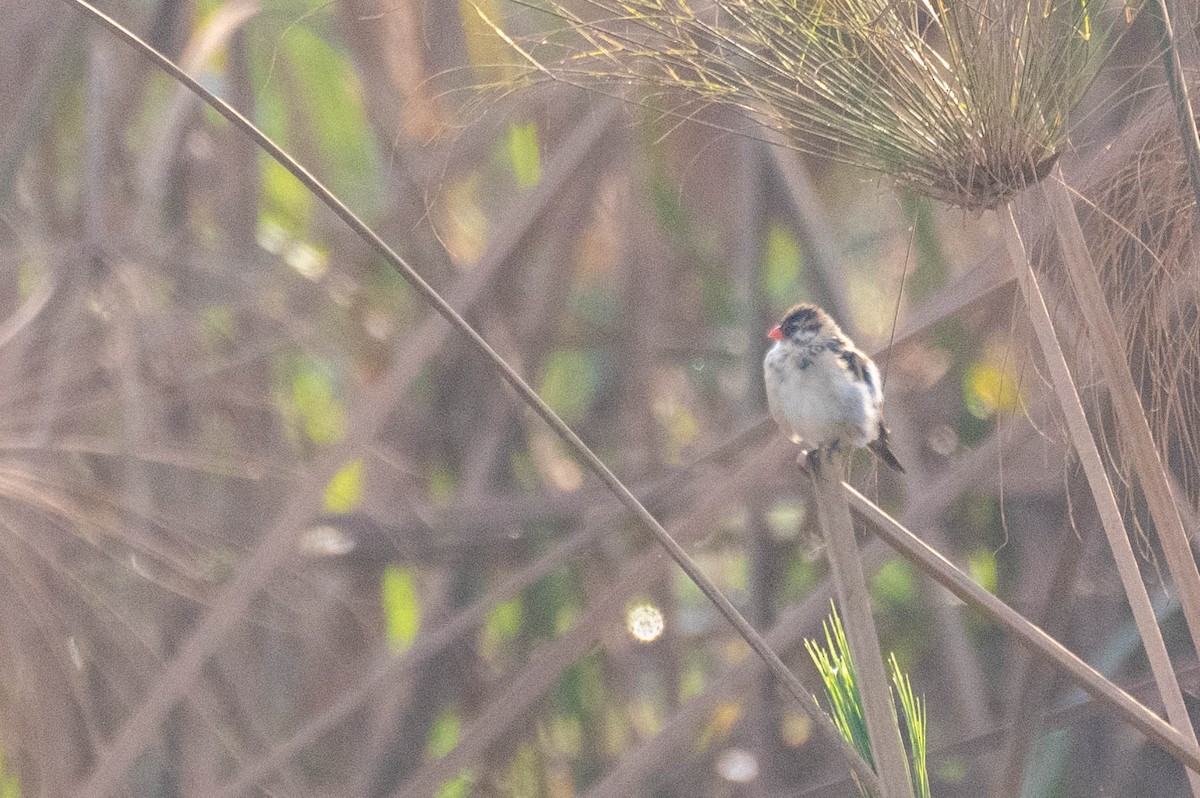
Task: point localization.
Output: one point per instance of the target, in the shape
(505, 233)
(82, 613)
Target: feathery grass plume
(1142, 234)
(837, 672)
(916, 723)
(966, 101)
(834, 664)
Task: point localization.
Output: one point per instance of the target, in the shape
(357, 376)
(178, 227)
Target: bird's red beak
(776, 334)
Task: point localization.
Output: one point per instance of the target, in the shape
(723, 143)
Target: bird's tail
(881, 449)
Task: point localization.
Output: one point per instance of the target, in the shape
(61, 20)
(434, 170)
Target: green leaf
(782, 260)
(502, 625)
(894, 583)
(524, 153)
(310, 90)
(992, 386)
(401, 609)
(841, 687)
(525, 770)
(930, 267)
(982, 567)
(441, 484)
(568, 383)
(834, 665)
(310, 400)
(444, 734)
(457, 787)
(333, 99)
(287, 204)
(344, 493)
(10, 785)
(916, 725)
(692, 681)
(580, 689)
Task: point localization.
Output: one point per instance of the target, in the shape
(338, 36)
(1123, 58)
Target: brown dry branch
(547, 663)
(274, 546)
(928, 503)
(934, 565)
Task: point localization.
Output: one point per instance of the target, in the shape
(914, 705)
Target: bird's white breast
(821, 401)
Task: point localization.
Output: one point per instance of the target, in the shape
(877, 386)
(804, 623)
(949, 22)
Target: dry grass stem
(854, 600)
(1139, 444)
(1102, 492)
(1142, 236)
(1088, 678)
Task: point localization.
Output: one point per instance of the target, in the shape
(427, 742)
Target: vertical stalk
(1135, 429)
(891, 762)
(1106, 502)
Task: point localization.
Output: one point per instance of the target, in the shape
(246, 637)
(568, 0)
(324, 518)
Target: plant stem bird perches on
(850, 582)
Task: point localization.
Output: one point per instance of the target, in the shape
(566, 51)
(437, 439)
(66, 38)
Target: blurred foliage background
(268, 528)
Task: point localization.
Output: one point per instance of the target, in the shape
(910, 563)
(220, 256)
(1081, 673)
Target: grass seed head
(963, 100)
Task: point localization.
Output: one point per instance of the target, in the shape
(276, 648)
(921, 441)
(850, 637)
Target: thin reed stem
(1135, 429)
(1102, 492)
(1091, 681)
(854, 600)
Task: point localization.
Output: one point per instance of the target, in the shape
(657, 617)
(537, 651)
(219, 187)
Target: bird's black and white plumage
(822, 391)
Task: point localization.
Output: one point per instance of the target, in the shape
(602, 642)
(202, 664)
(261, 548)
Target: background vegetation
(267, 527)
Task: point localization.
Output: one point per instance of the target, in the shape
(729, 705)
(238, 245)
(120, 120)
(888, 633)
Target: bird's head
(802, 324)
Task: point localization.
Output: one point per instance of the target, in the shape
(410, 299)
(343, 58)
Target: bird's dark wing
(864, 371)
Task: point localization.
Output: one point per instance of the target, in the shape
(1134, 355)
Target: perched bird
(822, 391)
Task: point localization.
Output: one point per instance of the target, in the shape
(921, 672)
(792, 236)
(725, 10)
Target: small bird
(821, 390)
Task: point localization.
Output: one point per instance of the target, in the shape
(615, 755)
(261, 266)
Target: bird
(822, 390)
